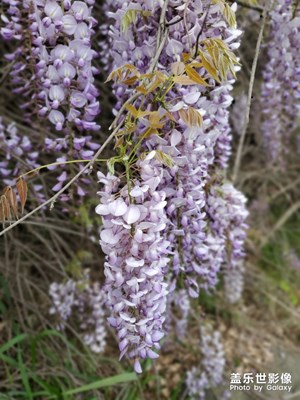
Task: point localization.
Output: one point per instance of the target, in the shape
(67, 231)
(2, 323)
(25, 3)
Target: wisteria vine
(171, 222)
(280, 91)
(173, 67)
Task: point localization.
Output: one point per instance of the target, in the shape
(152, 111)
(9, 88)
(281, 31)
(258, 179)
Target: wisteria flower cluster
(210, 372)
(52, 70)
(52, 67)
(178, 310)
(280, 92)
(226, 209)
(83, 300)
(17, 156)
(81, 148)
(293, 259)
(133, 222)
(183, 122)
(17, 152)
(234, 283)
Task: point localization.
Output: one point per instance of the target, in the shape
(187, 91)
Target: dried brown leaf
(11, 196)
(4, 209)
(191, 117)
(22, 189)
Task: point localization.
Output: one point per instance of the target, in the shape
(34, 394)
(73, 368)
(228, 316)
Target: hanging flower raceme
(81, 148)
(226, 207)
(280, 92)
(17, 156)
(17, 153)
(163, 54)
(210, 373)
(234, 283)
(52, 65)
(198, 101)
(136, 258)
(84, 301)
(178, 310)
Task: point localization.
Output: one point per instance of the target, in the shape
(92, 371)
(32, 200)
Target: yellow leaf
(191, 117)
(122, 73)
(195, 76)
(177, 68)
(130, 81)
(155, 120)
(186, 57)
(183, 80)
(119, 142)
(153, 85)
(130, 17)
(209, 67)
(227, 12)
(137, 113)
(141, 89)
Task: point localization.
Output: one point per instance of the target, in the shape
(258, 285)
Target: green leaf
(12, 342)
(114, 380)
(130, 17)
(164, 158)
(24, 375)
(227, 12)
(111, 164)
(8, 360)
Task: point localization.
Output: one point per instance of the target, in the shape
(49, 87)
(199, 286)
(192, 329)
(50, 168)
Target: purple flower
(280, 91)
(136, 256)
(210, 373)
(64, 75)
(85, 300)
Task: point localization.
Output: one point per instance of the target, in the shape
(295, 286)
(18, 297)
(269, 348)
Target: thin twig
(51, 226)
(295, 207)
(238, 158)
(285, 189)
(201, 31)
(174, 22)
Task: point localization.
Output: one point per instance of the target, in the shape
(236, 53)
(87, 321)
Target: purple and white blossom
(234, 283)
(84, 301)
(226, 207)
(210, 372)
(17, 152)
(280, 91)
(81, 148)
(134, 220)
(178, 310)
(17, 156)
(52, 64)
(194, 249)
